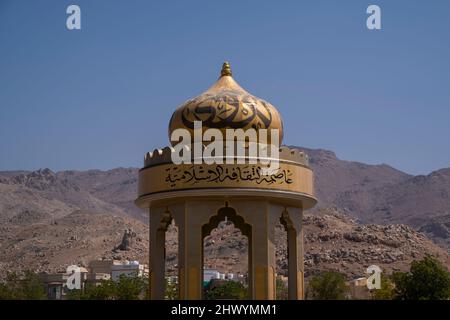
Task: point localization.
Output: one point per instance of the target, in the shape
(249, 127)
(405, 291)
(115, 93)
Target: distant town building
(128, 269)
(56, 283)
(100, 266)
(213, 274)
(209, 274)
(97, 278)
(358, 289)
(97, 271)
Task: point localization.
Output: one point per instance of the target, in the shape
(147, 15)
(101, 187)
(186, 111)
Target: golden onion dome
(226, 105)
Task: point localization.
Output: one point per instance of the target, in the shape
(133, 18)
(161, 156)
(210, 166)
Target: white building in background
(211, 274)
(97, 271)
(128, 269)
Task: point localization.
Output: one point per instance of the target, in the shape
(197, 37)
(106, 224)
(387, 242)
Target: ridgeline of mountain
(117, 186)
(43, 195)
(370, 193)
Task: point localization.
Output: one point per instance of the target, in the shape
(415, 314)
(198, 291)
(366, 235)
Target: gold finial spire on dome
(226, 105)
(226, 69)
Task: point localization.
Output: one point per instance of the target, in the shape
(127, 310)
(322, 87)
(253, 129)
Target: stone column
(261, 216)
(295, 255)
(190, 217)
(157, 255)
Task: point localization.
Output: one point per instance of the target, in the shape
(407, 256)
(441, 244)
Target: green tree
(228, 290)
(130, 288)
(5, 294)
(26, 286)
(327, 286)
(126, 288)
(105, 290)
(281, 290)
(427, 279)
(32, 287)
(76, 294)
(8, 289)
(171, 290)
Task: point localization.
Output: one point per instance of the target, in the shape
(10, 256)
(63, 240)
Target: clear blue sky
(102, 97)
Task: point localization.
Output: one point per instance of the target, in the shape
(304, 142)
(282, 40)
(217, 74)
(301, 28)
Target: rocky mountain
(336, 179)
(333, 241)
(117, 187)
(381, 194)
(438, 229)
(43, 195)
(76, 238)
(32, 202)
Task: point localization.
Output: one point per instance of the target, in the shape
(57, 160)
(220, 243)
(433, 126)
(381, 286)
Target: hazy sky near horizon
(102, 96)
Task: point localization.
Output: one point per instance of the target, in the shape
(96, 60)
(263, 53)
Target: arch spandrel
(230, 214)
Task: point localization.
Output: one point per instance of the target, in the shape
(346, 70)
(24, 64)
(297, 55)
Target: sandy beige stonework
(198, 196)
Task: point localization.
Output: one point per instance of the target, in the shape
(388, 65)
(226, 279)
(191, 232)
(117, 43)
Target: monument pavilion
(198, 196)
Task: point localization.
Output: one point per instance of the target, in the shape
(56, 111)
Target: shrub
(229, 290)
(427, 279)
(327, 286)
(127, 288)
(26, 286)
(281, 290)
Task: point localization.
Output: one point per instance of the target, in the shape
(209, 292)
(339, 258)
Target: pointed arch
(230, 214)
